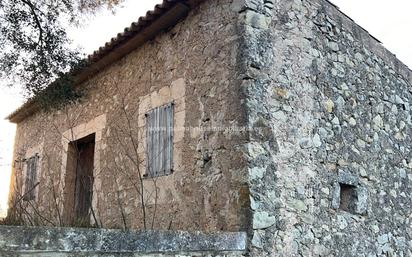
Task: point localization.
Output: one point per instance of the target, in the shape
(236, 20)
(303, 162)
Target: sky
(389, 21)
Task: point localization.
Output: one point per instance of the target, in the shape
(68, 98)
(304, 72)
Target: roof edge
(164, 16)
(369, 41)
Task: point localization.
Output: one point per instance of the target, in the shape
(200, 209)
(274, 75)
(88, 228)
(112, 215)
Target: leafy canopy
(35, 48)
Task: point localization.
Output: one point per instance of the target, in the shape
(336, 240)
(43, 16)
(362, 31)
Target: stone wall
(207, 190)
(324, 168)
(53, 242)
(330, 169)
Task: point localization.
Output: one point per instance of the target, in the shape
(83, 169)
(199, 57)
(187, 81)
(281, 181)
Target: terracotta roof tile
(121, 38)
(133, 29)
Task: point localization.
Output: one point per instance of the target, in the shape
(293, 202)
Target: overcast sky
(389, 21)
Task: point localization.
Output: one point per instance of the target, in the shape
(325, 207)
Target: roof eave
(133, 37)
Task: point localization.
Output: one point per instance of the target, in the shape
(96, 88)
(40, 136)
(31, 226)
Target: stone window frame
(361, 199)
(174, 93)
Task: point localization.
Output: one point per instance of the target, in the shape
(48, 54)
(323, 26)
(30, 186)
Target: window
(349, 195)
(348, 198)
(31, 178)
(159, 141)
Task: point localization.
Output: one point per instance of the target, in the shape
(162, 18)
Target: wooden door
(84, 182)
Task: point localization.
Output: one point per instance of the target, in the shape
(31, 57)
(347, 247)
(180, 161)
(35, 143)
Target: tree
(35, 48)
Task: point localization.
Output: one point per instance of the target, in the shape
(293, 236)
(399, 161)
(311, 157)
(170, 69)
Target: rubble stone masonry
(322, 167)
(208, 188)
(330, 169)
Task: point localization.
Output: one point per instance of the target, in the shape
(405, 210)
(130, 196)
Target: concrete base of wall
(36, 241)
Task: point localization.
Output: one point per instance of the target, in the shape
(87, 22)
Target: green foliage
(36, 49)
(61, 92)
(58, 94)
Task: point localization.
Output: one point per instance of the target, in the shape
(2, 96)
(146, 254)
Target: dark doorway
(80, 181)
(84, 178)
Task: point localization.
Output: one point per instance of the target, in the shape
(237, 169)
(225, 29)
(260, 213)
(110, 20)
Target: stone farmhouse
(281, 118)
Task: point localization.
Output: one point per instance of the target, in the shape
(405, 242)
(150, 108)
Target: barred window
(159, 141)
(31, 178)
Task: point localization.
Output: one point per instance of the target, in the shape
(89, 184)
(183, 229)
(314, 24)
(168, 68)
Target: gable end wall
(332, 108)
